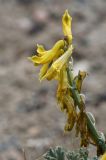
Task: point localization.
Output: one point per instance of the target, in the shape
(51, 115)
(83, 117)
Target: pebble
(34, 131)
(39, 143)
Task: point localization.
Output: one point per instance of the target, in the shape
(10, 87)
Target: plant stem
(100, 142)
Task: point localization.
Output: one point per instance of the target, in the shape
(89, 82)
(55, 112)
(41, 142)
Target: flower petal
(63, 81)
(103, 157)
(43, 70)
(48, 56)
(51, 73)
(61, 61)
(58, 64)
(66, 23)
(40, 50)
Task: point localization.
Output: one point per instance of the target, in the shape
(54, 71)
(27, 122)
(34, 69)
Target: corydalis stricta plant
(57, 64)
(54, 64)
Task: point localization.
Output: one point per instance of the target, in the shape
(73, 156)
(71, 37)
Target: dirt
(29, 116)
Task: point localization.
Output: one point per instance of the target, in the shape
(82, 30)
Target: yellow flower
(47, 56)
(43, 70)
(66, 22)
(54, 59)
(63, 80)
(58, 64)
(40, 50)
(61, 61)
(62, 86)
(103, 157)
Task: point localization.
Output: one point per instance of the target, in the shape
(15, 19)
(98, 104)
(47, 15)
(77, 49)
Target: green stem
(100, 142)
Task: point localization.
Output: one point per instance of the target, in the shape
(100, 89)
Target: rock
(40, 15)
(39, 143)
(34, 131)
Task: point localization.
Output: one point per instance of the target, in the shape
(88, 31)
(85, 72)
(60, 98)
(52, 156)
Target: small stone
(39, 143)
(40, 15)
(34, 131)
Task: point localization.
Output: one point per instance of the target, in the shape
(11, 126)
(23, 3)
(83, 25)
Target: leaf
(55, 154)
(59, 153)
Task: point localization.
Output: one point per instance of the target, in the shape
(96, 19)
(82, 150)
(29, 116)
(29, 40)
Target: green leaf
(55, 154)
(59, 153)
(81, 154)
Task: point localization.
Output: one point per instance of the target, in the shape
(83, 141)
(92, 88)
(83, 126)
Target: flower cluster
(54, 60)
(54, 66)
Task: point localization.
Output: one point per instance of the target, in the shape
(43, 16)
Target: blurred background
(29, 116)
